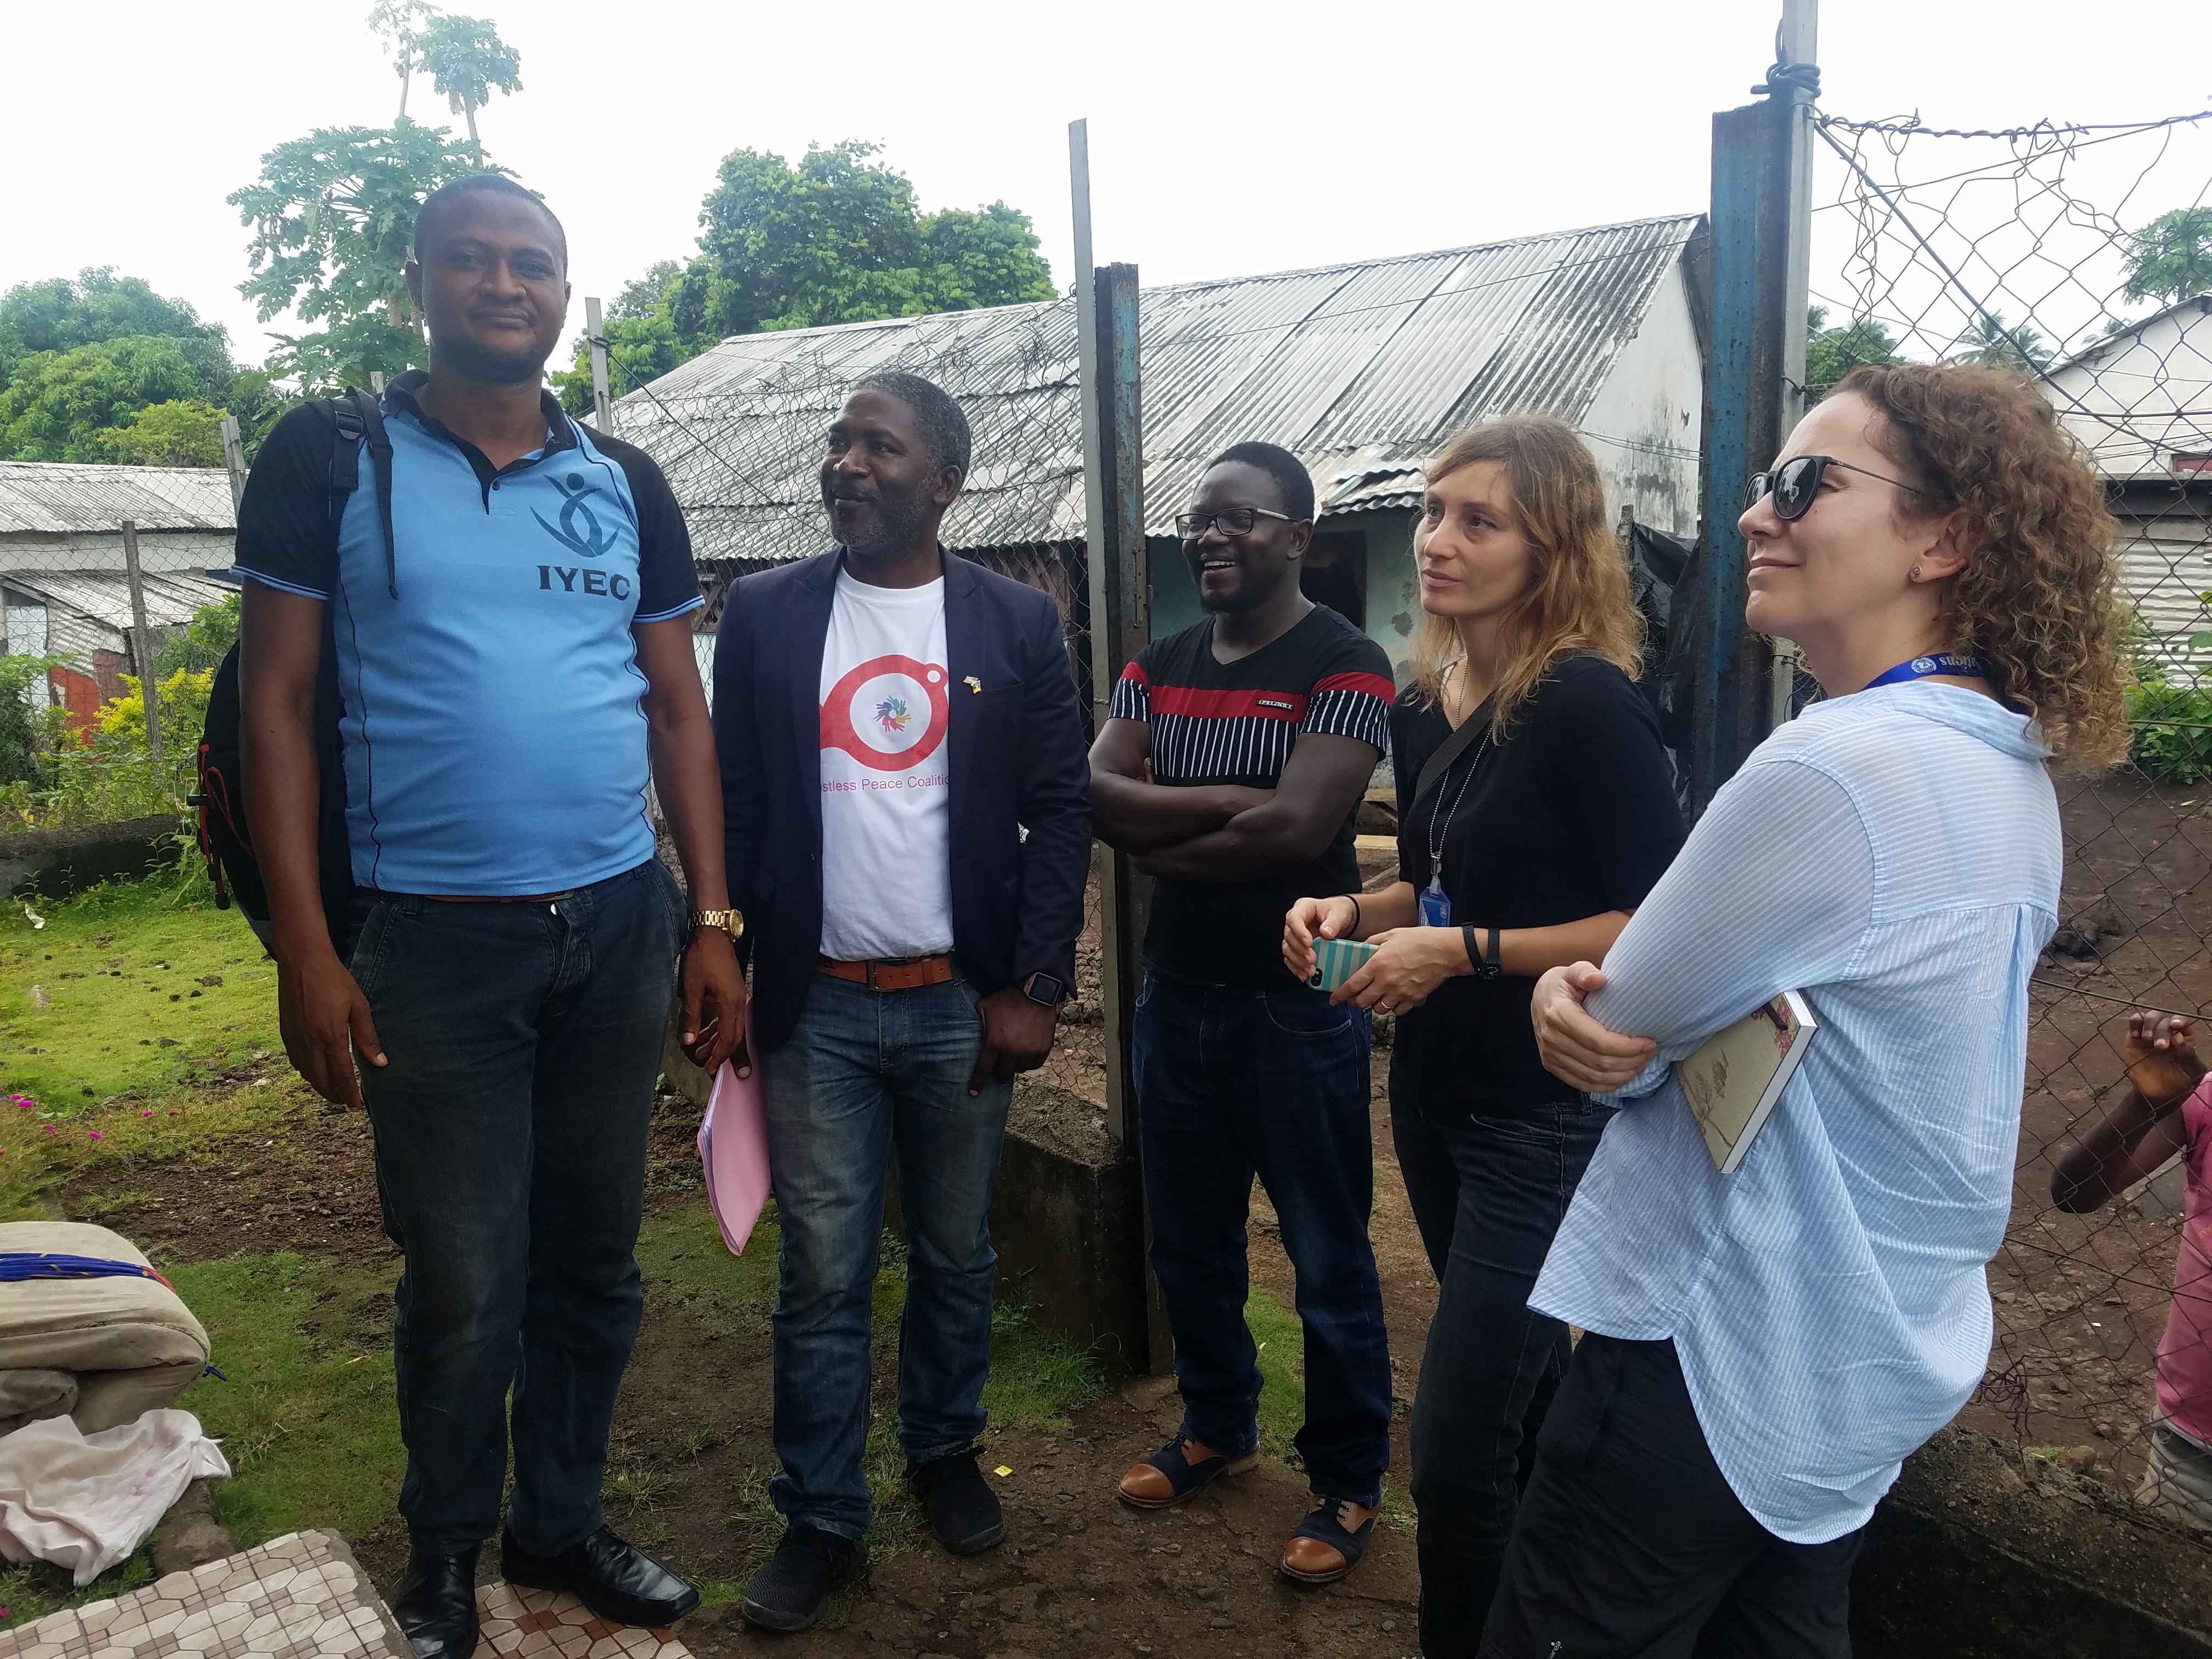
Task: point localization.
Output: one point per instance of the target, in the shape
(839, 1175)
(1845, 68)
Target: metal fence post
(234, 458)
(1106, 306)
(1754, 374)
(603, 409)
(141, 640)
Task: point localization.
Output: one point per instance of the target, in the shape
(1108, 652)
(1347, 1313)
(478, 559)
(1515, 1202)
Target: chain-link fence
(2081, 256)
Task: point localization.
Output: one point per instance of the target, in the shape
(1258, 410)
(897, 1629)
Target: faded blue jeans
(511, 1123)
(866, 1075)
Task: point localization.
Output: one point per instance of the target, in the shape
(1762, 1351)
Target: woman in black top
(1528, 850)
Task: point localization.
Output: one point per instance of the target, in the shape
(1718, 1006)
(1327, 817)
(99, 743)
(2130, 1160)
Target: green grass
(1282, 1344)
(307, 1417)
(120, 967)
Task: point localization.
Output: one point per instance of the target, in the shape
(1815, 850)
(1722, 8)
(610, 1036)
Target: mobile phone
(1336, 960)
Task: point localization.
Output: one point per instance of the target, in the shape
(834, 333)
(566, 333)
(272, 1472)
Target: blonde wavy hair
(1577, 601)
(2036, 598)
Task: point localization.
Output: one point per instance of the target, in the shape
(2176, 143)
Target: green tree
(62, 406)
(184, 432)
(837, 239)
(1832, 352)
(56, 316)
(641, 297)
(467, 62)
(397, 22)
(2170, 259)
(331, 216)
(1994, 344)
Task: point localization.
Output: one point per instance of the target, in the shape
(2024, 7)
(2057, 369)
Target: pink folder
(733, 1148)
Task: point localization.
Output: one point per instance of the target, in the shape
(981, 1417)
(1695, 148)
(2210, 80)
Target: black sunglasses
(1233, 520)
(1796, 483)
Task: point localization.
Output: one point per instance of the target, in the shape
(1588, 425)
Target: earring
(1916, 573)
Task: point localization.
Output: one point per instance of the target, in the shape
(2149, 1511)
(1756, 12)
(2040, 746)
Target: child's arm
(2146, 1128)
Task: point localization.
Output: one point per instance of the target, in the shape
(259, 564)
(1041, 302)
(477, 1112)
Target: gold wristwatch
(731, 922)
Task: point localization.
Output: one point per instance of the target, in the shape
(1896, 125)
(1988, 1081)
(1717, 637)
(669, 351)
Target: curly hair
(1578, 602)
(2035, 600)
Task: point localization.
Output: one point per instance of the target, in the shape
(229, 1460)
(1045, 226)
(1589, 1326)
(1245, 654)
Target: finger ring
(1384, 1008)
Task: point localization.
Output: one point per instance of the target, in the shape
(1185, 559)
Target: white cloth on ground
(84, 1501)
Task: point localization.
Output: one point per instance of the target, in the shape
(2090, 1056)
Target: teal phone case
(1336, 960)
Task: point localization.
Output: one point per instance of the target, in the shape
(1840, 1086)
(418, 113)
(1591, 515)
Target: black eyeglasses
(1796, 483)
(1232, 520)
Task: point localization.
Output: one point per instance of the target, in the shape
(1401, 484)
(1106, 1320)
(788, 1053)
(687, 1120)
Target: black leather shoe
(608, 1574)
(789, 1593)
(435, 1604)
(963, 1512)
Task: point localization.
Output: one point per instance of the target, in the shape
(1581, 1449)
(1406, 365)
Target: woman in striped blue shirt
(1765, 1347)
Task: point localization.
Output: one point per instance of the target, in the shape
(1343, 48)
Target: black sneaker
(790, 1592)
(963, 1512)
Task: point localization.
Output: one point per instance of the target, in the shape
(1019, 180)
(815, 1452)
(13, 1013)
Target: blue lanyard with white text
(1921, 667)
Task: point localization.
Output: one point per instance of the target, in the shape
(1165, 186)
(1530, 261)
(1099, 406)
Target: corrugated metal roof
(172, 597)
(61, 498)
(1359, 369)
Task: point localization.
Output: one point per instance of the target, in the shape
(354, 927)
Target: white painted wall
(1646, 421)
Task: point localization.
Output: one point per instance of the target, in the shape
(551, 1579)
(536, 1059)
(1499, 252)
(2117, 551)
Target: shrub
(2172, 730)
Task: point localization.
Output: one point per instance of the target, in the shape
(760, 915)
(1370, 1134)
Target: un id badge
(1436, 907)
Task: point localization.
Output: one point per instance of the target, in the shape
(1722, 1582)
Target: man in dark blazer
(908, 829)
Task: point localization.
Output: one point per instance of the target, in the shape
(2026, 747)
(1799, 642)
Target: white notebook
(1737, 1075)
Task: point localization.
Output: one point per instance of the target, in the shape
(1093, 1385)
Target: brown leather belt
(910, 974)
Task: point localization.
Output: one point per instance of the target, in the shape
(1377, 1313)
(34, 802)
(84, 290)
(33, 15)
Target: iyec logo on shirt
(579, 531)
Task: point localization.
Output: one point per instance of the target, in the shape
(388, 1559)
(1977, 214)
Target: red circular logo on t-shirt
(888, 712)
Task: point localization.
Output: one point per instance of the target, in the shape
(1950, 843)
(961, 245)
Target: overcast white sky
(1225, 139)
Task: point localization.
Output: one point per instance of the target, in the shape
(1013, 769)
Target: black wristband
(1487, 966)
(1354, 897)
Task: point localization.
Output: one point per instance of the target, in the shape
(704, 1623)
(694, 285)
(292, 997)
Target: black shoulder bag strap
(359, 419)
(1464, 738)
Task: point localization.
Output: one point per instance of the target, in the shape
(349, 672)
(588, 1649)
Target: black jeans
(1488, 1194)
(511, 1123)
(1630, 1544)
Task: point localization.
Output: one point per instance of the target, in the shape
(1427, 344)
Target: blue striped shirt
(1894, 855)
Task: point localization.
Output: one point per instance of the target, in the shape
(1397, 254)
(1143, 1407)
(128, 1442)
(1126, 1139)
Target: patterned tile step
(536, 1624)
(297, 1597)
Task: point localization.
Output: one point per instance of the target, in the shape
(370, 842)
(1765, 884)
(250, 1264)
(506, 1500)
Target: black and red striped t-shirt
(1215, 723)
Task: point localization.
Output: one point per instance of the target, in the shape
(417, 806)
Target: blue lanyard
(1921, 667)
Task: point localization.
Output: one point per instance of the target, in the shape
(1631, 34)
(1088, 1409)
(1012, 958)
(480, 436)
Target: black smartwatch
(1486, 967)
(1049, 989)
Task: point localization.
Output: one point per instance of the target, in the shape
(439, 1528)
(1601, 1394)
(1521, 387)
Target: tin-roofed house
(1362, 370)
(63, 588)
(2140, 401)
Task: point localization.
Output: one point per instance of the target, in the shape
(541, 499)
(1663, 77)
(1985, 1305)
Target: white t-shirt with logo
(886, 800)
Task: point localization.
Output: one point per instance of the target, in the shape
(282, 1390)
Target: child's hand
(2162, 1053)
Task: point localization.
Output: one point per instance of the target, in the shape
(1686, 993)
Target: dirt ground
(1078, 1574)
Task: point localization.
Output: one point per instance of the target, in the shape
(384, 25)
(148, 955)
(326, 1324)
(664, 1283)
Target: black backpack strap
(358, 419)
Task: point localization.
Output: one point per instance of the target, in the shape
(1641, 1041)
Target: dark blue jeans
(1234, 1081)
(524, 1040)
(1488, 1192)
(866, 1074)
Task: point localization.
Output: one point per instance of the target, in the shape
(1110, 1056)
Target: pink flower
(149, 1112)
(52, 1130)
(94, 1134)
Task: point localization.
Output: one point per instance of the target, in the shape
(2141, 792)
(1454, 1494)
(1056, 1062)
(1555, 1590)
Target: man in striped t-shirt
(1231, 767)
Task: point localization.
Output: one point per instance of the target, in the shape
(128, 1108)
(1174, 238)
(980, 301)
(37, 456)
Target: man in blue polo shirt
(513, 662)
